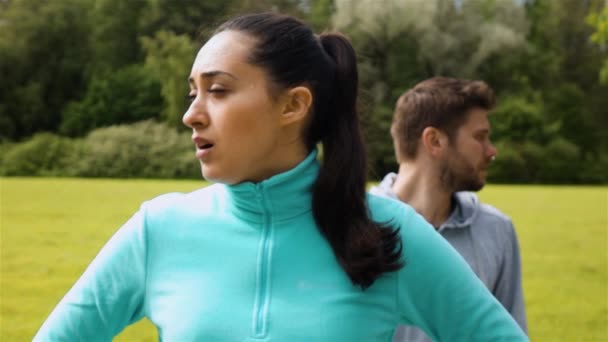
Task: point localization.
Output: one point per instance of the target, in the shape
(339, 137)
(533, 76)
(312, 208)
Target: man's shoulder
(482, 218)
(489, 212)
(384, 188)
(492, 223)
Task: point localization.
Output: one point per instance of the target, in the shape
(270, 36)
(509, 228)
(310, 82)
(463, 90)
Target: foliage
(145, 149)
(594, 170)
(320, 14)
(379, 142)
(70, 66)
(44, 155)
(128, 95)
(509, 165)
(557, 162)
(451, 38)
(115, 32)
(599, 20)
(570, 89)
(296, 8)
(169, 57)
(191, 18)
(43, 49)
(562, 162)
(518, 119)
(5, 147)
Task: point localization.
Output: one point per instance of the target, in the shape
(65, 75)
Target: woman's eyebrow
(211, 74)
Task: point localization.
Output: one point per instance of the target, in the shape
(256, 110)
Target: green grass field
(52, 228)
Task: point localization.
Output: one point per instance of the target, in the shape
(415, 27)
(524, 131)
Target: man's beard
(458, 175)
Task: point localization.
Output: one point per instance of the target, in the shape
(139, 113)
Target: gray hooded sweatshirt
(486, 239)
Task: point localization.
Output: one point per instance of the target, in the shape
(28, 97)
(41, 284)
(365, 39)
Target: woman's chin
(211, 175)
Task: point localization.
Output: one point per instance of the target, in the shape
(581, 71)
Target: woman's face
(234, 119)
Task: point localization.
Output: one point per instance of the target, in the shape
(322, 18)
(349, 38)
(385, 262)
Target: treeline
(97, 88)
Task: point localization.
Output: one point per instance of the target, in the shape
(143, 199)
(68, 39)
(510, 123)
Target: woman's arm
(439, 292)
(110, 293)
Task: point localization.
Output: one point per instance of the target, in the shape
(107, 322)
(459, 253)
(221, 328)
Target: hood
(385, 188)
(466, 204)
(465, 210)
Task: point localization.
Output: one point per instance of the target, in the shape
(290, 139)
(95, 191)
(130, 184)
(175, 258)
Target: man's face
(466, 161)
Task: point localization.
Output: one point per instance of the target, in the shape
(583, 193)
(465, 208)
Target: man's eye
(190, 97)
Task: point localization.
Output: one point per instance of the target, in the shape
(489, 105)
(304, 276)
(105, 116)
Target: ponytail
(291, 54)
(365, 249)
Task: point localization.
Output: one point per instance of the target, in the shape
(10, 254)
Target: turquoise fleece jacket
(487, 241)
(247, 263)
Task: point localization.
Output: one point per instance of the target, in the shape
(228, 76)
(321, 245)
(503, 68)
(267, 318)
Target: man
(441, 136)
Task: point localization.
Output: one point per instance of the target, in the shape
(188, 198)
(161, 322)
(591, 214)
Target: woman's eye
(216, 90)
(190, 97)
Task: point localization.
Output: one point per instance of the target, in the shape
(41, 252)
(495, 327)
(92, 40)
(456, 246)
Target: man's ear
(434, 141)
(297, 105)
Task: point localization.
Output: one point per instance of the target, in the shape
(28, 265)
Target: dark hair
(439, 102)
(293, 56)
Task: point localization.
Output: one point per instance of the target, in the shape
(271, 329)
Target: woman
(282, 248)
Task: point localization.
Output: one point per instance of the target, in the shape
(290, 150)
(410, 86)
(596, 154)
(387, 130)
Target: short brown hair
(439, 102)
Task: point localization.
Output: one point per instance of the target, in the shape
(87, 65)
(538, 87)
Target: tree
(169, 57)
(451, 38)
(293, 7)
(599, 20)
(41, 65)
(319, 14)
(574, 98)
(191, 18)
(128, 95)
(115, 34)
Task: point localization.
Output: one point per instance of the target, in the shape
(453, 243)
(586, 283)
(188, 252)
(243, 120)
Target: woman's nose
(196, 115)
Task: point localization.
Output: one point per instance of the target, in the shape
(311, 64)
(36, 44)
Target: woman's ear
(434, 141)
(297, 105)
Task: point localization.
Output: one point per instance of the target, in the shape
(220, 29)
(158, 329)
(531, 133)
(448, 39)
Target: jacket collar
(278, 198)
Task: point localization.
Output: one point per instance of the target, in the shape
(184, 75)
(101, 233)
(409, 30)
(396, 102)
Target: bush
(509, 166)
(561, 163)
(517, 119)
(534, 156)
(379, 142)
(145, 149)
(594, 169)
(45, 154)
(125, 96)
(5, 147)
(558, 162)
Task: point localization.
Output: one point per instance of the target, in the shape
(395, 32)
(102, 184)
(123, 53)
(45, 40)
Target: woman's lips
(203, 146)
(203, 152)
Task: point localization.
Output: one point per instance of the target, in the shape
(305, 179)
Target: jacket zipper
(262, 296)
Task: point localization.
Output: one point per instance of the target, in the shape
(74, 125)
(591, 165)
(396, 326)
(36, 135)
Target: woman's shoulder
(416, 233)
(206, 199)
(385, 209)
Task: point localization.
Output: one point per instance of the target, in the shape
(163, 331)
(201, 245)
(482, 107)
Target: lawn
(50, 229)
